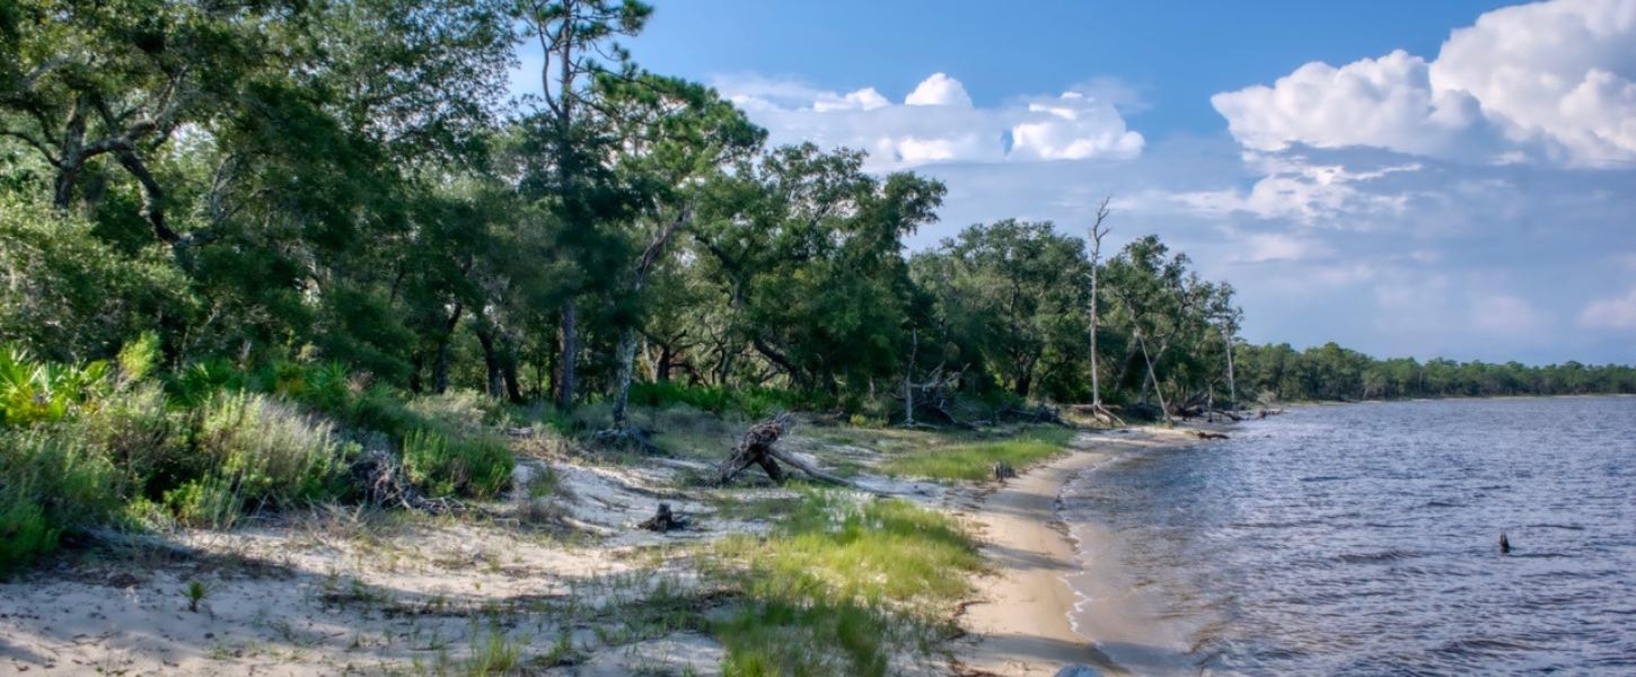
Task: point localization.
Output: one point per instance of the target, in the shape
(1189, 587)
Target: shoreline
(1018, 622)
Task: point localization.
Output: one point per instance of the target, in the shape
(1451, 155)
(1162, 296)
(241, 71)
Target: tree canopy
(346, 181)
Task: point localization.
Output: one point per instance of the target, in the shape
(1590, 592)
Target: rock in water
(1077, 670)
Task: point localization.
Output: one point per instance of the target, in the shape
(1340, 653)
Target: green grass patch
(975, 461)
(841, 586)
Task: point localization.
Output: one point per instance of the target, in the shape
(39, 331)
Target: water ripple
(1304, 547)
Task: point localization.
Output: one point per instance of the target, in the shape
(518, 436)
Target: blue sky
(1450, 178)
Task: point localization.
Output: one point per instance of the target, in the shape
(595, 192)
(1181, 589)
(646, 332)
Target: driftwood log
(1207, 435)
(756, 448)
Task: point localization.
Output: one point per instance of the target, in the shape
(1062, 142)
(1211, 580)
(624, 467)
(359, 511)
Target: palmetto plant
(33, 392)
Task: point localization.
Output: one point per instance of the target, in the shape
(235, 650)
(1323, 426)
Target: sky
(1407, 178)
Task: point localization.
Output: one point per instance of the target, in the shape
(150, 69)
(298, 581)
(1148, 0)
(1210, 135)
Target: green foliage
(975, 461)
(66, 295)
(49, 484)
(33, 392)
(478, 466)
(832, 590)
(139, 358)
(755, 402)
(265, 452)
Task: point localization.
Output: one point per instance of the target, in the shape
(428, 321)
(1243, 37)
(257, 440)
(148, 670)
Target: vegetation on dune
(96, 445)
(841, 586)
(974, 461)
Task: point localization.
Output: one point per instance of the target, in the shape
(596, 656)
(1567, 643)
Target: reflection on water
(1363, 539)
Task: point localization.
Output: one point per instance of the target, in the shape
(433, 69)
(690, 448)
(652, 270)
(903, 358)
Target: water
(1363, 539)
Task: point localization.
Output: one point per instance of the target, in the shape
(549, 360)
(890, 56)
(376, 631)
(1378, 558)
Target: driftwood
(1207, 435)
(756, 448)
(664, 520)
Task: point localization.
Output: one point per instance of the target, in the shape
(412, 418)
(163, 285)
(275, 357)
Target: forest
(221, 219)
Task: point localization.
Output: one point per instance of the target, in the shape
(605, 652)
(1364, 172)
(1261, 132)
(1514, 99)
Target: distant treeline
(1330, 372)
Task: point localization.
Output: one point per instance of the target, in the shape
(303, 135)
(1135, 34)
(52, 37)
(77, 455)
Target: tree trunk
(626, 371)
(491, 359)
(661, 372)
(570, 348)
(440, 368)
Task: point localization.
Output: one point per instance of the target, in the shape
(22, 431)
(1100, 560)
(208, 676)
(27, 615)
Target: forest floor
(556, 580)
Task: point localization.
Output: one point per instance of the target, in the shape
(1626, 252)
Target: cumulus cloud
(1613, 313)
(1550, 81)
(936, 123)
(939, 90)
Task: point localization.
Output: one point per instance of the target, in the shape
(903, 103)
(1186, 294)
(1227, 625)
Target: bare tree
(1097, 231)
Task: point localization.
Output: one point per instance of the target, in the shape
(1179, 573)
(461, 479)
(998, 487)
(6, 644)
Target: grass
(840, 587)
(975, 461)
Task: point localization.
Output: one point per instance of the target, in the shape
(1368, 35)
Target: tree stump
(1003, 471)
(664, 520)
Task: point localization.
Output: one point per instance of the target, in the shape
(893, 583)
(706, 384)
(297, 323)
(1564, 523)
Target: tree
(1094, 235)
(574, 37)
(677, 136)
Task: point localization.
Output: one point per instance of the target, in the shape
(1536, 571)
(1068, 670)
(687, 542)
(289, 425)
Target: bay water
(1363, 539)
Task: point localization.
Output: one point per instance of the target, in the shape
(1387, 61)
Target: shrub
(40, 392)
(49, 485)
(477, 466)
(268, 451)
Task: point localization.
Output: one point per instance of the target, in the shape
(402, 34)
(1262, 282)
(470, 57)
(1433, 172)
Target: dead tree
(1097, 232)
(756, 448)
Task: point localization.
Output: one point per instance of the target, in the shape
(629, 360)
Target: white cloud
(1073, 127)
(937, 123)
(939, 90)
(1545, 81)
(1613, 313)
(1309, 192)
(863, 99)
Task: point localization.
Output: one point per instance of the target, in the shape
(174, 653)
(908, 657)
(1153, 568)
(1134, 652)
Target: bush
(477, 466)
(751, 401)
(49, 485)
(268, 451)
(38, 392)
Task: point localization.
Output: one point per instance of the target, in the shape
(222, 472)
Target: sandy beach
(557, 580)
(1018, 622)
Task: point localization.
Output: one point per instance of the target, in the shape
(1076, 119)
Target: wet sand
(1018, 623)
